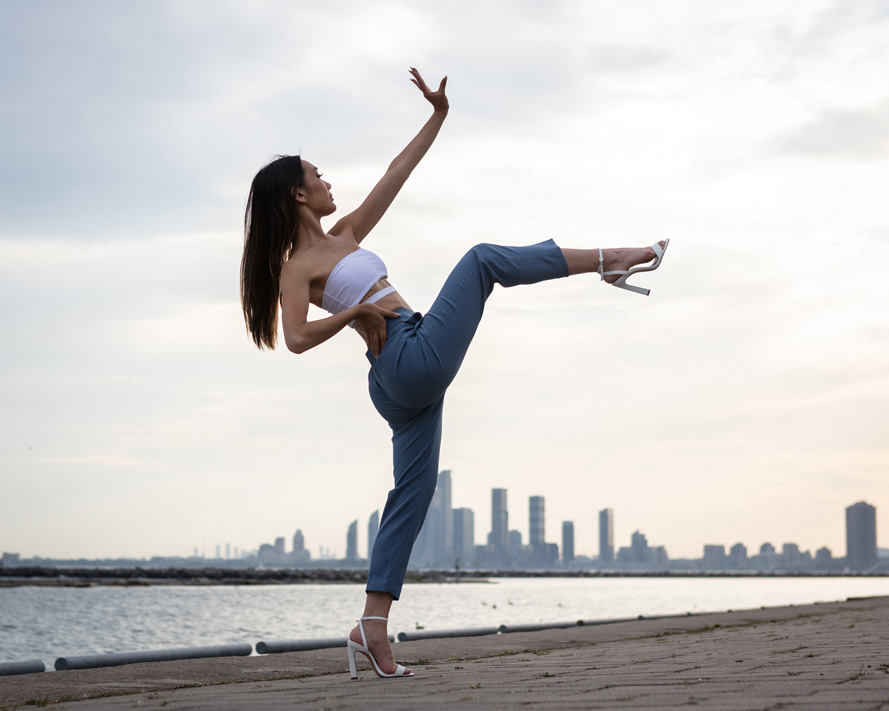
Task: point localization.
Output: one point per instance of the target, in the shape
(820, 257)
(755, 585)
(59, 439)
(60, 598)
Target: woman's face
(315, 192)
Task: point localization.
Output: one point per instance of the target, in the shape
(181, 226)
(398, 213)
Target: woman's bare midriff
(389, 301)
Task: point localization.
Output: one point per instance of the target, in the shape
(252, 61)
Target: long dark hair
(270, 223)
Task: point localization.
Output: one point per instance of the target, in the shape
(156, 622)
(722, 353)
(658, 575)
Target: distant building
(714, 557)
(550, 555)
(823, 558)
(537, 529)
(861, 536)
(536, 521)
(737, 557)
(766, 559)
(464, 536)
(279, 546)
(442, 530)
(373, 528)
(639, 549)
(299, 542)
(352, 541)
(606, 536)
(11, 558)
(435, 543)
(299, 554)
(515, 548)
(567, 542)
(267, 553)
(499, 538)
(791, 556)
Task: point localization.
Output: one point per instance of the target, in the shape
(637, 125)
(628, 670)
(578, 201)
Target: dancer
(290, 261)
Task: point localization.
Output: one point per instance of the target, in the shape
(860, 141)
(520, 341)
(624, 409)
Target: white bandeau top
(351, 279)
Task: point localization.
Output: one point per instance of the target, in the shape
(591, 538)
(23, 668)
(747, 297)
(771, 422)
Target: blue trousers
(408, 380)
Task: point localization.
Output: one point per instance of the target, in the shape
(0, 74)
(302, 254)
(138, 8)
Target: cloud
(841, 134)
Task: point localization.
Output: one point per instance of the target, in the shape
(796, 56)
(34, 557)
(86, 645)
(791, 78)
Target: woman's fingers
(418, 80)
(438, 99)
(378, 340)
(376, 327)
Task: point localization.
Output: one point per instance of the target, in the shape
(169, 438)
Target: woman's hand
(371, 321)
(437, 98)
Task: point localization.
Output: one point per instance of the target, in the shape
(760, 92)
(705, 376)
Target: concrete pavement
(825, 657)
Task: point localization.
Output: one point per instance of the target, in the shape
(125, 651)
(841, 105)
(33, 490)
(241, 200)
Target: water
(47, 623)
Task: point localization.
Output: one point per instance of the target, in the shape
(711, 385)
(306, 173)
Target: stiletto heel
(354, 648)
(621, 282)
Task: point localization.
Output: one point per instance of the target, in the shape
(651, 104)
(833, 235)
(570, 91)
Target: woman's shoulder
(319, 259)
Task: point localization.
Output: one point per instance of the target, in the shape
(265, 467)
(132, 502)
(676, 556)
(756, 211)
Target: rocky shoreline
(47, 576)
(90, 577)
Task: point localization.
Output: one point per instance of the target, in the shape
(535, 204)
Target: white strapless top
(351, 279)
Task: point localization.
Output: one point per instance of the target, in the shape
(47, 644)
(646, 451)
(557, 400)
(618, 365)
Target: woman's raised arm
(364, 219)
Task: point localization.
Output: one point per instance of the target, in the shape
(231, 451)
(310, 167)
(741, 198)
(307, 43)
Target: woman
(290, 259)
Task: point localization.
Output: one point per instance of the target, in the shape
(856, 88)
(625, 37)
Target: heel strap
(360, 622)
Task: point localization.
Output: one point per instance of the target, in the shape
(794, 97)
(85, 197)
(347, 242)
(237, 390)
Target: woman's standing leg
(416, 444)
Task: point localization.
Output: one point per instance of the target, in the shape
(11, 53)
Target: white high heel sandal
(621, 282)
(355, 648)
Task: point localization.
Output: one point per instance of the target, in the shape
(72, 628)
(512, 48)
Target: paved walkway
(819, 657)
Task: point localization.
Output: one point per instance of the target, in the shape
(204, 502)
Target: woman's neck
(308, 233)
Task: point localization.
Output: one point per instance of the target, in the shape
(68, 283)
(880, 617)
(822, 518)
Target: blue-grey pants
(408, 380)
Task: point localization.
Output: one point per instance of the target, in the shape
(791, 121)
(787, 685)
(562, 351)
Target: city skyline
(860, 517)
(862, 550)
(745, 399)
(448, 538)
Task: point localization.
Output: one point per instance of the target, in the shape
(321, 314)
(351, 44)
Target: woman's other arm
(364, 219)
(300, 334)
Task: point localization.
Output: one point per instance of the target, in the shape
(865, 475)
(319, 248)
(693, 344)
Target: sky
(745, 400)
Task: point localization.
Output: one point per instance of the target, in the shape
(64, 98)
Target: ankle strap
(385, 619)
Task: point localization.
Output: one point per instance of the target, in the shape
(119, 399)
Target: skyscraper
(445, 522)
(300, 554)
(373, 528)
(536, 529)
(714, 557)
(514, 548)
(299, 543)
(639, 549)
(861, 536)
(352, 541)
(606, 536)
(499, 526)
(536, 521)
(435, 542)
(464, 536)
(738, 557)
(567, 541)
